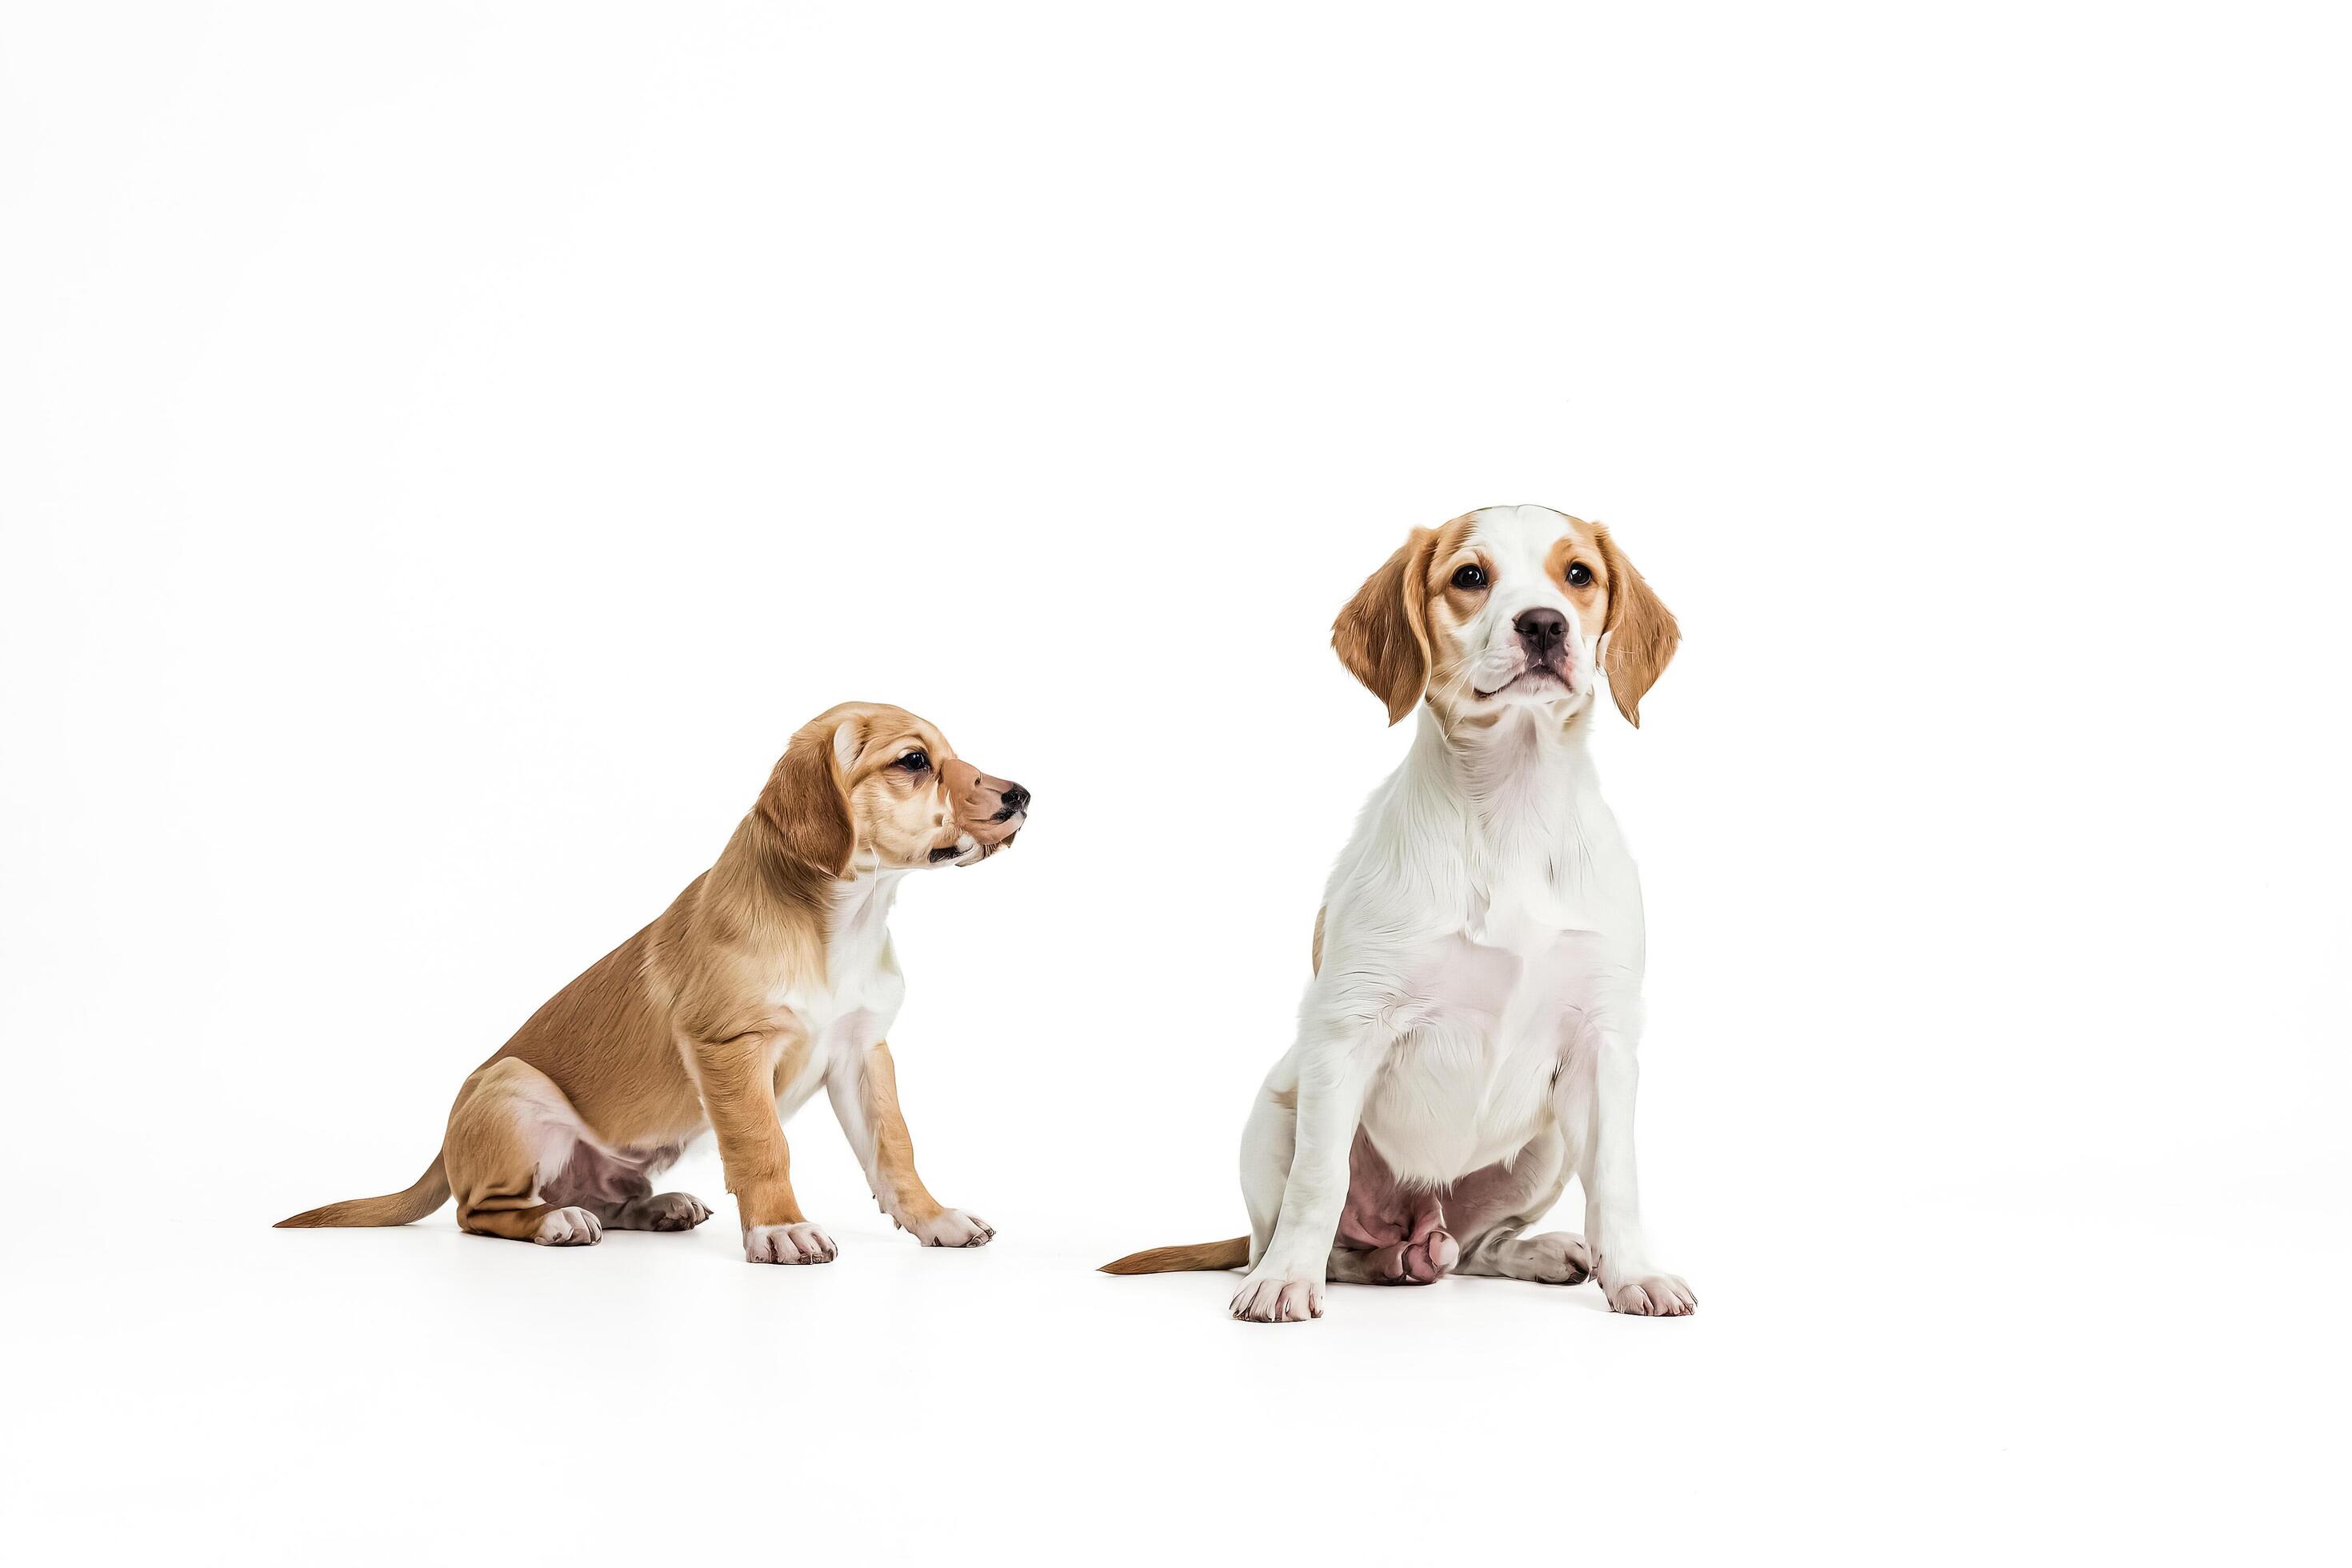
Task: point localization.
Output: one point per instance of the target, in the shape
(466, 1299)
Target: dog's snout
(1542, 630)
(984, 805)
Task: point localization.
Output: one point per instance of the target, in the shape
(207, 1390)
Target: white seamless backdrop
(448, 448)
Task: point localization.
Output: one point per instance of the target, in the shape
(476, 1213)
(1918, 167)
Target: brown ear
(1382, 636)
(806, 802)
(1640, 628)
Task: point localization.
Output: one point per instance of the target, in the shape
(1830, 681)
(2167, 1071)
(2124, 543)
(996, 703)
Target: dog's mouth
(974, 845)
(1534, 678)
(995, 829)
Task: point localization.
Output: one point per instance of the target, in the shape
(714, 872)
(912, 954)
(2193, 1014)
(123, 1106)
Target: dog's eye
(1579, 575)
(1470, 577)
(914, 761)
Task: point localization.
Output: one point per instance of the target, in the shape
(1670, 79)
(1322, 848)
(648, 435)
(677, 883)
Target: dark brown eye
(1579, 575)
(1470, 577)
(914, 761)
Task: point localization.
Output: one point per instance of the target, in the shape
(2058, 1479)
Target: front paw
(1273, 1299)
(801, 1242)
(1652, 1296)
(953, 1227)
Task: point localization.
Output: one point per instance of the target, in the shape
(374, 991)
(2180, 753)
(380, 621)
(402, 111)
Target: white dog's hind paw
(801, 1242)
(569, 1227)
(1653, 1296)
(953, 1227)
(1274, 1299)
(1555, 1257)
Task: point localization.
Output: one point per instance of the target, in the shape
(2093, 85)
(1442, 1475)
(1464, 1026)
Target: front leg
(737, 1078)
(1613, 1201)
(1285, 1284)
(864, 1088)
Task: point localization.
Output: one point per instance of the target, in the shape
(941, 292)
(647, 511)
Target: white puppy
(1468, 1039)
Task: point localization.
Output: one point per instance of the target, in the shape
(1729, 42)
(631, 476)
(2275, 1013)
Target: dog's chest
(851, 1009)
(1487, 1015)
(851, 1004)
(840, 1018)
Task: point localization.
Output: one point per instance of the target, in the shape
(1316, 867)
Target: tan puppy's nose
(985, 805)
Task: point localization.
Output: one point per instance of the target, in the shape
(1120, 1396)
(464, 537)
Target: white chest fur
(850, 1006)
(1490, 913)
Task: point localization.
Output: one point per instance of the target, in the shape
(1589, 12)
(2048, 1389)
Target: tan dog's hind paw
(1653, 1296)
(660, 1211)
(569, 1227)
(801, 1242)
(953, 1227)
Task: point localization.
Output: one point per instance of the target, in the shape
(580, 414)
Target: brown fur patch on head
(1579, 547)
(806, 800)
(1382, 635)
(1641, 631)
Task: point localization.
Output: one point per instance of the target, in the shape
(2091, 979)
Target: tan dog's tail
(429, 1192)
(1232, 1254)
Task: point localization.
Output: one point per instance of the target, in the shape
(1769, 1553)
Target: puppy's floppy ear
(1382, 636)
(1640, 628)
(807, 802)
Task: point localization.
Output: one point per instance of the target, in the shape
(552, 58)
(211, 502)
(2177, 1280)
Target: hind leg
(1495, 1206)
(1390, 1233)
(1423, 1259)
(511, 1132)
(657, 1211)
(616, 1185)
(1555, 1257)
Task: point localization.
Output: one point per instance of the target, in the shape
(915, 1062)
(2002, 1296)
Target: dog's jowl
(1467, 1041)
(771, 977)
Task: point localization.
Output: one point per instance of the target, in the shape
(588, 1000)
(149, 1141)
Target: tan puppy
(770, 976)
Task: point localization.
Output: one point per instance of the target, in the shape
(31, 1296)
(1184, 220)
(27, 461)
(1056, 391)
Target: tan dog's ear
(807, 803)
(1382, 636)
(1640, 628)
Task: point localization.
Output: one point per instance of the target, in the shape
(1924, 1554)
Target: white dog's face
(1520, 615)
(1505, 607)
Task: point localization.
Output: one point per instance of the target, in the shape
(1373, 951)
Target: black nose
(1015, 798)
(1542, 630)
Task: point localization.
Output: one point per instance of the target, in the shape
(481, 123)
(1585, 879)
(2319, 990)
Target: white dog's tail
(428, 1192)
(1234, 1254)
